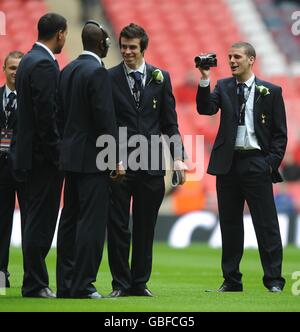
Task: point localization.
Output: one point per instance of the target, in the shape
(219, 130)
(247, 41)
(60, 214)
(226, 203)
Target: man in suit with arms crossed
(247, 152)
(87, 111)
(37, 149)
(145, 106)
(9, 185)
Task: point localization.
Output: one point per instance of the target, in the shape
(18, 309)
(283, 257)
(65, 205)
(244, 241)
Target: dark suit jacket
(37, 134)
(86, 111)
(151, 118)
(269, 123)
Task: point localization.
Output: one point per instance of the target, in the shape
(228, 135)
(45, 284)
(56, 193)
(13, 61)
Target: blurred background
(178, 31)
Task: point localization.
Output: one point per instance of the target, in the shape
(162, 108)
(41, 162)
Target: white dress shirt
(250, 140)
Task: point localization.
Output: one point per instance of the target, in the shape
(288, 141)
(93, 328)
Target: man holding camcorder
(247, 152)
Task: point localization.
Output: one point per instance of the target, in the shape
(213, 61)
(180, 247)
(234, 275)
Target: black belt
(247, 153)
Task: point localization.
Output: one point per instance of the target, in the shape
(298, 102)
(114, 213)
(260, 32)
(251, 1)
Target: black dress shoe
(228, 288)
(275, 289)
(141, 292)
(7, 283)
(44, 293)
(118, 293)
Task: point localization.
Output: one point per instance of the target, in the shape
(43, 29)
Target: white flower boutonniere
(262, 90)
(157, 76)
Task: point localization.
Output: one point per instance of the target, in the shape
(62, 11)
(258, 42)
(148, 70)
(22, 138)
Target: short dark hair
(132, 31)
(13, 54)
(91, 34)
(249, 49)
(50, 24)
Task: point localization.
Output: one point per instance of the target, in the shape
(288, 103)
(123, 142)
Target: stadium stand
(179, 30)
(21, 20)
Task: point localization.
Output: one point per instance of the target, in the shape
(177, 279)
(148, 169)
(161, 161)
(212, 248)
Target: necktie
(242, 102)
(138, 85)
(10, 105)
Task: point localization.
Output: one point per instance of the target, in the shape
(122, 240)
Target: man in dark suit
(37, 149)
(247, 152)
(87, 111)
(144, 106)
(9, 186)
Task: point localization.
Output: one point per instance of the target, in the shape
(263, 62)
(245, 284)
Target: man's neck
(11, 87)
(49, 44)
(136, 65)
(245, 77)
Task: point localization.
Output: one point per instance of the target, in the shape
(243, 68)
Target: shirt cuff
(204, 83)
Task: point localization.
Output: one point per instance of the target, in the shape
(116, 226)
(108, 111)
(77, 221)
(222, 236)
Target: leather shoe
(44, 293)
(118, 293)
(141, 292)
(275, 289)
(228, 288)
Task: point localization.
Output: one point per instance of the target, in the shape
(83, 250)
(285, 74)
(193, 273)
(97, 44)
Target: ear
(251, 60)
(102, 46)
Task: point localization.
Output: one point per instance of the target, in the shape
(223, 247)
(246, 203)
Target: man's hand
(118, 174)
(179, 165)
(204, 73)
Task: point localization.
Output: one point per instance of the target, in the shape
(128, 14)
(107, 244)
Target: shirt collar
(249, 82)
(47, 49)
(141, 69)
(94, 55)
(8, 91)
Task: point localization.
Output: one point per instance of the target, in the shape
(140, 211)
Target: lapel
(257, 98)
(232, 93)
(122, 79)
(2, 115)
(149, 81)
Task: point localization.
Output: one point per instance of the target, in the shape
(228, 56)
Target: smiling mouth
(234, 67)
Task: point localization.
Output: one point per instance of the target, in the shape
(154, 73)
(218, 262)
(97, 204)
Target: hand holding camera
(204, 62)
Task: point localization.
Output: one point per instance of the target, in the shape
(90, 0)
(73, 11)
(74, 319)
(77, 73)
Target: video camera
(206, 61)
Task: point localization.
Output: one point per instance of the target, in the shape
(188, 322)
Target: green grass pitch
(179, 280)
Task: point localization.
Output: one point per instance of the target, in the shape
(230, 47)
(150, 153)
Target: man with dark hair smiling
(145, 106)
(37, 149)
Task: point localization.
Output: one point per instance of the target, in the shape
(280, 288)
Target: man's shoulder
(226, 81)
(116, 70)
(267, 84)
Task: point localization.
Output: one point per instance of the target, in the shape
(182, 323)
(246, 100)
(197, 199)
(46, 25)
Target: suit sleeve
(102, 106)
(278, 141)
(208, 103)
(44, 84)
(169, 121)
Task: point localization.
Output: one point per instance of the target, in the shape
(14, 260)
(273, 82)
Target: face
(240, 63)
(60, 39)
(131, 52)
(10, 70)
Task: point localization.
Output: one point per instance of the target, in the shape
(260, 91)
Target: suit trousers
(249, 180)
(9, 187)
(147, 193)
(81, 233)
(43, 199)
